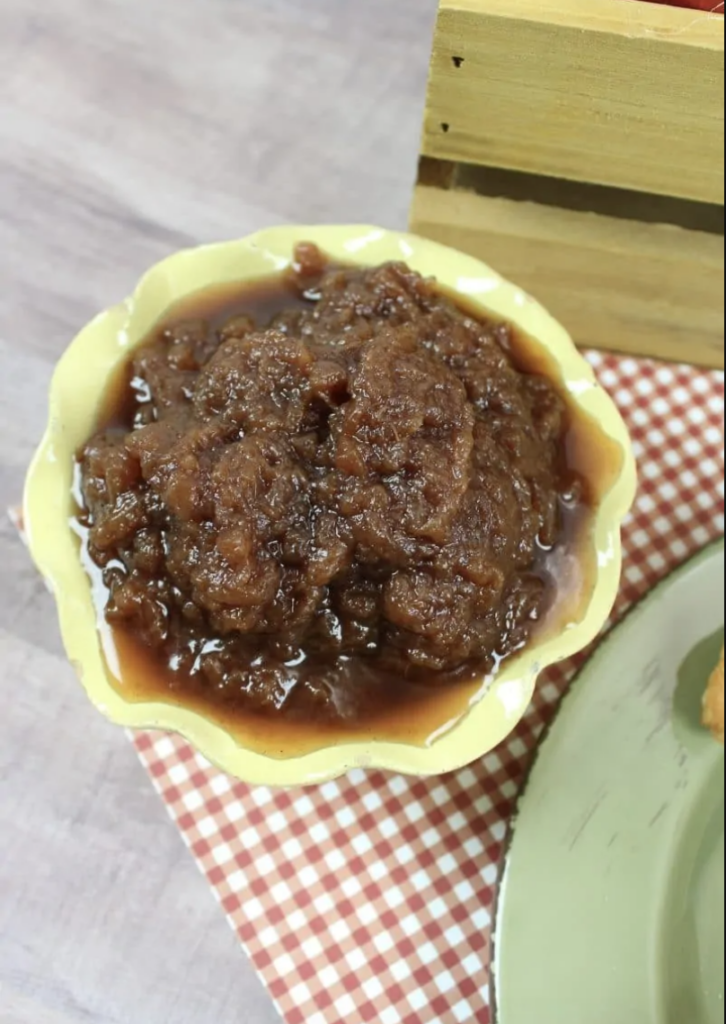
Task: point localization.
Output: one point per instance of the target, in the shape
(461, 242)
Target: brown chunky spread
(303, 507)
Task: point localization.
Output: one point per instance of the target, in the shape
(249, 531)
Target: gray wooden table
(129, 128)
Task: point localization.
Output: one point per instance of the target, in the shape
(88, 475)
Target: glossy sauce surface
(360, 659)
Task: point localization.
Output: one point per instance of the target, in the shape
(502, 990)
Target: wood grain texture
(623, 94)
(129, 128)
(621, 285)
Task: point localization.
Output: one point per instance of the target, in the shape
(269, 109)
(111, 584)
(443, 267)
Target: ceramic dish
(612, 903)
(76, 395)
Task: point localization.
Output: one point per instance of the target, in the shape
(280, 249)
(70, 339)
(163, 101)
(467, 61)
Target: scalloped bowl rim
(76, 392)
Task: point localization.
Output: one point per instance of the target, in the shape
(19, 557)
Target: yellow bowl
(76, 395)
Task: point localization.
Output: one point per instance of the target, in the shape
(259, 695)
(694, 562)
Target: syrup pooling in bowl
(330, 504)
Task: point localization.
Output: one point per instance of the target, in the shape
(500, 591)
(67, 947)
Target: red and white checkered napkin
(371, 898)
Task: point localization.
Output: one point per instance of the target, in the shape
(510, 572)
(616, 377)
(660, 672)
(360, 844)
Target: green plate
(611, 908)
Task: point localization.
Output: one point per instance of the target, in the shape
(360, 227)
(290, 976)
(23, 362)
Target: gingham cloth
(372, 898)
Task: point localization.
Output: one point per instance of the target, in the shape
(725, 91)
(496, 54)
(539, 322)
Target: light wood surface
(129, 128)
(647, 289)
(625, 94)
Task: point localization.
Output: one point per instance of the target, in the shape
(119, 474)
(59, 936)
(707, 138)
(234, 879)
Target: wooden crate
(578, 147)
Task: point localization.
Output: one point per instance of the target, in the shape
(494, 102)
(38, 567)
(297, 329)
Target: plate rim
(711, 549)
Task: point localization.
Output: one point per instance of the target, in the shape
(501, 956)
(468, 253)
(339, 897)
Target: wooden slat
(619, 93)
(646, 289)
